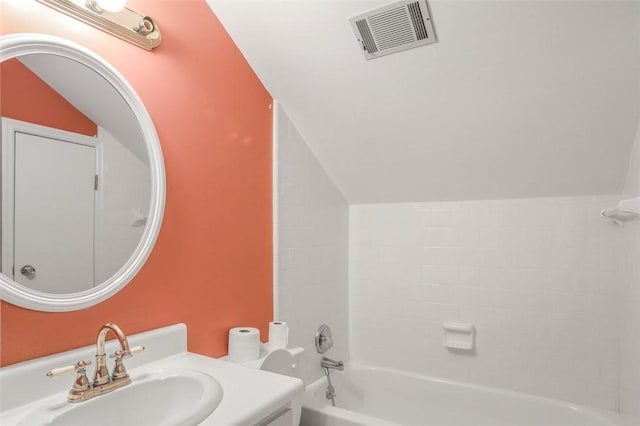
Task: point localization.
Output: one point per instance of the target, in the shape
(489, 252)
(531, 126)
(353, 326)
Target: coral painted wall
(211, 267)
(24, 96)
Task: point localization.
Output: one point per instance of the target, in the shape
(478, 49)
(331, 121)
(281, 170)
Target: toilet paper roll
(278, 335)
(244, 344)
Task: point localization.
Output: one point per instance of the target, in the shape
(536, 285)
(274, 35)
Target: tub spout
(328, 363)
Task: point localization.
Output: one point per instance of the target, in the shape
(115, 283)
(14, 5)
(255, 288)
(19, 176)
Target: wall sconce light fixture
(113, 17)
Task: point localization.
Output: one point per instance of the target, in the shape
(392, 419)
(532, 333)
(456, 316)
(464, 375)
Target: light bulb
(112, 5)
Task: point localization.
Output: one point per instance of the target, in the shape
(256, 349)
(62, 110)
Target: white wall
(312, 248)
(537, 278)
(125, 188)
(630, 303)
(519, 98)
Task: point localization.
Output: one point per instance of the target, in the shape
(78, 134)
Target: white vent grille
(393, 28)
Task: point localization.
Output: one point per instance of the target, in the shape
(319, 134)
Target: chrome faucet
(328, 363)
(103, 382)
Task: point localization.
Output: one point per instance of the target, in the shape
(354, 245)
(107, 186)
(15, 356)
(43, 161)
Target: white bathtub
(367, 396)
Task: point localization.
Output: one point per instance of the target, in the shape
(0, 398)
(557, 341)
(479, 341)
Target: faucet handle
(80, 384)
(119, 371)
(137, 349)
(121, 354)
(323, 339)
(80, 366)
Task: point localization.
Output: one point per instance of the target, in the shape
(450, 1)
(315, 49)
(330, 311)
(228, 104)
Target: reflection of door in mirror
(53, 211)
(119, 206)
(49, 205)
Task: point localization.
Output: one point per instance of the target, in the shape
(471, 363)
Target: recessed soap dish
(459, 335)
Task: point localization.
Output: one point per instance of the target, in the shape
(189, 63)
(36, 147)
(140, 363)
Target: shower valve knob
(324, 341)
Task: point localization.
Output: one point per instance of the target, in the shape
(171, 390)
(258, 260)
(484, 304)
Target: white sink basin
(170, 386)
(159, 397)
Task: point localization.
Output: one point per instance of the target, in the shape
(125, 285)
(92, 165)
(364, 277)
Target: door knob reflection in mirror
(28, 271)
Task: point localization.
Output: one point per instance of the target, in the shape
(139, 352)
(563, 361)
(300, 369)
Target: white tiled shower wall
(630, 303)
(312, 223)
(552, 288)
(539, 279)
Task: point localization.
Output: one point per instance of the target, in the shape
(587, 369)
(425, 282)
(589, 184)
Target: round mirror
(83, 182)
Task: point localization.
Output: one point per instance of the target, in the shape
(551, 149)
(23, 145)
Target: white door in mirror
(55, 202)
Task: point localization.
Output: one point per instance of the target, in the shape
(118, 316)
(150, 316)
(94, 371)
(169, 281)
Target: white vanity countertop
(250, 395)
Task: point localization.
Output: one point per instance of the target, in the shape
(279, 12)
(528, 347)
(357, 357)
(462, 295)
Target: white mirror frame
(14, 45)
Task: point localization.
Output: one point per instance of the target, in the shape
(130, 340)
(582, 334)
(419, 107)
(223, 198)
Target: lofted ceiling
(516, 99)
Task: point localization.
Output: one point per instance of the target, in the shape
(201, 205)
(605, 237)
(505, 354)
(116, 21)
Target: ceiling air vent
(393, 28)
